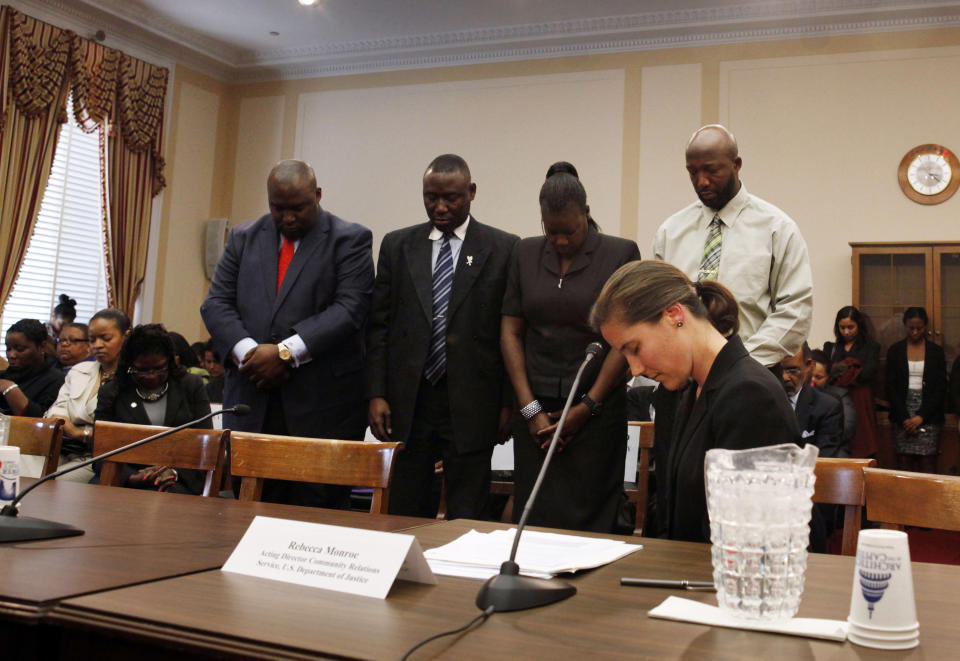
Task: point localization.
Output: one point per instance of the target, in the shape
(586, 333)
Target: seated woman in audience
(73, 346)
(30, 384)
(77, 399)
(855, 348)
(213, 364)
(64, 312)
(150, 388)
(821, 377)
(683, 334)
(187, 358)
(552, 282)
(916, 387)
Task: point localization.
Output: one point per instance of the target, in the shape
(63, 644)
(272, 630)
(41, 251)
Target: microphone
(508, 591)
(14, 528)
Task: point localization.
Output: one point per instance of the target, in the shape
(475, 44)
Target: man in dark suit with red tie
(286, 308)
(435, 376)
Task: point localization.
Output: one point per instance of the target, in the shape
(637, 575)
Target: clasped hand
(162, 478)
(911, 425)
(264, 367)
(544, 425)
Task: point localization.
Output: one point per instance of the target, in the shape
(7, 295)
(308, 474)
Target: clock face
(929, 174)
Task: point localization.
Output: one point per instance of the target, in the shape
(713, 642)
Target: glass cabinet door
(946, 314)
(888, 280)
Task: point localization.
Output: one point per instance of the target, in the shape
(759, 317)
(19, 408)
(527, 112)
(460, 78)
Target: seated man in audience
(823, 376)
(819, 415)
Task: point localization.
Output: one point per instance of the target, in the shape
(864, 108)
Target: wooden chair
(840, 482)
(899, 498)
(198, 449)
(255, 457)
(639, 494)
(38, 436)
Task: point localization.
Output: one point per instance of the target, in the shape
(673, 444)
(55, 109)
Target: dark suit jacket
(849, 410)
(934, 383)
(186, 401)
(820, 417)
(742, 405)
(325, 299)
(401, 323)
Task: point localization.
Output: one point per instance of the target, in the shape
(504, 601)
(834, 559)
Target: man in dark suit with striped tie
(434, 376)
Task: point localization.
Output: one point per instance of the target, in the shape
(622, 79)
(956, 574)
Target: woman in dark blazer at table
(916, 387)
(552, 283)
(683, 334)
(150, 388)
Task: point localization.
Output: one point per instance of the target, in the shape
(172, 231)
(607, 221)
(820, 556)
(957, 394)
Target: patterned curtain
(39, 66)
(34, 60)
(134, 176)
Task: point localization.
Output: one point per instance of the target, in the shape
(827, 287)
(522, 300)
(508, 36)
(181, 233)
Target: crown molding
(145, 34)
(130, 39)
(574, 46)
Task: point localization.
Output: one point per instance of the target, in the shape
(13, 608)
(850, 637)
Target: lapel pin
(133, 405)
(469, 260)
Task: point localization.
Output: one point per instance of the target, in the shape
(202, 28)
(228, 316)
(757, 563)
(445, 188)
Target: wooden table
(228, 615)
(131, 537)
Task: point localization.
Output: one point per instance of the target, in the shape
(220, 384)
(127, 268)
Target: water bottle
(9, 473)
(4, 428)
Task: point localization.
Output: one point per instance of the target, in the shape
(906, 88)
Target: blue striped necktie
(710, 263)
(442, 284)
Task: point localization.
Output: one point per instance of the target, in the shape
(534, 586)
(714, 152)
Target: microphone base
(508, 591)
(21, 529)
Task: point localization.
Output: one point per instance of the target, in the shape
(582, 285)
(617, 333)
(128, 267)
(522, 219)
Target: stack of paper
(541, 554)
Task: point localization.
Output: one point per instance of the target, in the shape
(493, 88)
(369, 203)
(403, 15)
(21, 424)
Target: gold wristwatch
(285, 354)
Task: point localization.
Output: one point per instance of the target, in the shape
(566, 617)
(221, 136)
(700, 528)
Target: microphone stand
(14, 528)
(508, 591)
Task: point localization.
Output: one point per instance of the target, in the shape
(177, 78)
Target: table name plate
(363, 562)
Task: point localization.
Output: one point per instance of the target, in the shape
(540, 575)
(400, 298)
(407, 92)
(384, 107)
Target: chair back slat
(255, 457)
(197, 449)
(901, 498)
(640, 495)
(840, 482)
(38, 436)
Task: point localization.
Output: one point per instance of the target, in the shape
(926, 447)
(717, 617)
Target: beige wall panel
(370, 146)
(669, 113)
(259, 135)
(184, 283)
(821, 137)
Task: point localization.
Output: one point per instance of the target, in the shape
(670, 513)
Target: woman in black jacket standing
(857, 350)
(916, 389)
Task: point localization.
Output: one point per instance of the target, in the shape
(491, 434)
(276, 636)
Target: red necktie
(286, 254)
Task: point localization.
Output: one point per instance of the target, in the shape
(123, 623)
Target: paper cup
(881, 644)
(910, 634)
(882, 599)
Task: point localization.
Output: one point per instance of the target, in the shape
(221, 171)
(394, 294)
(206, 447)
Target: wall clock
(929, 174)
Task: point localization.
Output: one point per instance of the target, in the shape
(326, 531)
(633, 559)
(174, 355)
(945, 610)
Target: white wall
(822, 137)
(371, 146)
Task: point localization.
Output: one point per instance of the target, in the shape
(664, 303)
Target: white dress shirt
(456, 242)
(763, 261)
(298, 348)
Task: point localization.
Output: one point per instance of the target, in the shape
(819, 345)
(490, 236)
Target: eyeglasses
(66, 341)
(153, 371)
(792, 371)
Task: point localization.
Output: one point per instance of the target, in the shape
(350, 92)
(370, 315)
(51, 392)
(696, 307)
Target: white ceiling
(232, 39)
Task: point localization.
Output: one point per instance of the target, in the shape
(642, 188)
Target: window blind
(65, 254)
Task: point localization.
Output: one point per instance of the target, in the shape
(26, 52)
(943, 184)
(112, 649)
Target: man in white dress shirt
(749, 245)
